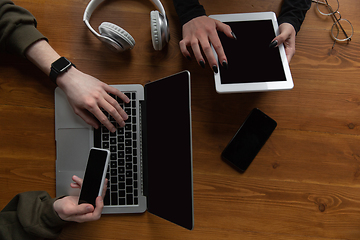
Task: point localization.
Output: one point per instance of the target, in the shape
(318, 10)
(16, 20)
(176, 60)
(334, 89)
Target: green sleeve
(30, 215)
(17, 28)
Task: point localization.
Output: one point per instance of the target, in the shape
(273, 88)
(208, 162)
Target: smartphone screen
(94, 176)
(249, 139)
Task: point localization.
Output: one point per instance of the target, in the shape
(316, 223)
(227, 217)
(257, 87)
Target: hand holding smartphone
(94, 177)
(249, 139)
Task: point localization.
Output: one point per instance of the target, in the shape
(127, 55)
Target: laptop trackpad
(73, 146)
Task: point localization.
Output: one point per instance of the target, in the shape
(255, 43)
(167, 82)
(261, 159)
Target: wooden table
(304, 183)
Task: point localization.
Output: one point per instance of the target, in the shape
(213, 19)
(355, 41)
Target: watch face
(61, 64)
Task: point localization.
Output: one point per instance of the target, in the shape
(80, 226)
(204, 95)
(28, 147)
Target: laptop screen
(169, 149)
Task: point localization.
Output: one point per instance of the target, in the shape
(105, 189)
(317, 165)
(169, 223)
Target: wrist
(60, 67)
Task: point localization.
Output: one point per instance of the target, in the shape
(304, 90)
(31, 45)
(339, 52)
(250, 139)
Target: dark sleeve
(30, 215)
(293, 12)
(188, 9)
(17, 28)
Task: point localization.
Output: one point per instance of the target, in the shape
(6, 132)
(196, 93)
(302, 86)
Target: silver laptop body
(74, 138)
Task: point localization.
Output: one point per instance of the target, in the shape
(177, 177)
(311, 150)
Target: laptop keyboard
(123, 184)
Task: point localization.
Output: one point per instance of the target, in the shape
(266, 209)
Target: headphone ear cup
(116, 33)
(156, 34)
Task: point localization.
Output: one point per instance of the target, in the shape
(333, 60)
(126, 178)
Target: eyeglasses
(342, 30)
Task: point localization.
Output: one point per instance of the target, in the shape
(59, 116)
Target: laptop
(151, 157)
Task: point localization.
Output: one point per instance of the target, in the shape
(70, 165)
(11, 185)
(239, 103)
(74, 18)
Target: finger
(183, 49)
(77, 180)
(205, 45)
(104, 188)
(101, 116)
(216, 43)
(119, 114)
(99, 207)
(197, 53)
(117, 92)
(88, 118)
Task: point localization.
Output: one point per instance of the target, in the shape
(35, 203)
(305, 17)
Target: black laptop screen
(169, 149)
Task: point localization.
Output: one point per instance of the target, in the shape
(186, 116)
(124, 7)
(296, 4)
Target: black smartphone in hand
(249, 139)
(95, 173)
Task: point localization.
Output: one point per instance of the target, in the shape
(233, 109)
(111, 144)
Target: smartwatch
(59, 67)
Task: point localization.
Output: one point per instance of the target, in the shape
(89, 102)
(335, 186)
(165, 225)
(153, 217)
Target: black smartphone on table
(249, 139)
(95, 173)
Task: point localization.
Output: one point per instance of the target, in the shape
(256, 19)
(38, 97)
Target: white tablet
(252, 65)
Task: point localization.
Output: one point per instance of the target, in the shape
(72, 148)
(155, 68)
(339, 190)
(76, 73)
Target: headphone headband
(93, 4)
(119, 39)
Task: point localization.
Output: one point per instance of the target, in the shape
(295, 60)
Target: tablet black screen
(249, 57)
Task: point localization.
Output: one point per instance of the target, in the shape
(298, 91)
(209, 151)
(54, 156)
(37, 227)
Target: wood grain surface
(304, 183)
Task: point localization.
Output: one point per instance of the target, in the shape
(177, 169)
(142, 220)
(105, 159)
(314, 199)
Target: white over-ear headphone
(119, 40)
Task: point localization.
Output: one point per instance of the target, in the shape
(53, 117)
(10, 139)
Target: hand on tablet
(287, 36)
(199, 33)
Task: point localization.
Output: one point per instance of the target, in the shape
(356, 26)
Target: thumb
(83, 209)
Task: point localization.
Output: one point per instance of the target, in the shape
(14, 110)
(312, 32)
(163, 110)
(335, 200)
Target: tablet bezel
(254, 86)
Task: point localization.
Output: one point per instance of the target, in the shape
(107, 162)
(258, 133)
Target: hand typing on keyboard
(88, 96)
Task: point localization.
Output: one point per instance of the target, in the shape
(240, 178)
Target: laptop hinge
(143, 147)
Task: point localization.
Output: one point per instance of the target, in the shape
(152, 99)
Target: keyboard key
(129, 199)
(129, 181)
(107, 197)
(128, 150)
(128, 166)
(121, 146)
(113, 164)
(122, 201)
(120, 130)
(113, 149)
(121, 162)
(121, 154)
(106, 145)
(114, 198)
(122, 193)
(121, 178)
(113, 171)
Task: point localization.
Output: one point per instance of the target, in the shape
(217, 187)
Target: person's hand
(287, 36)
(68, 208)
(200, 32)
(88, 95)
